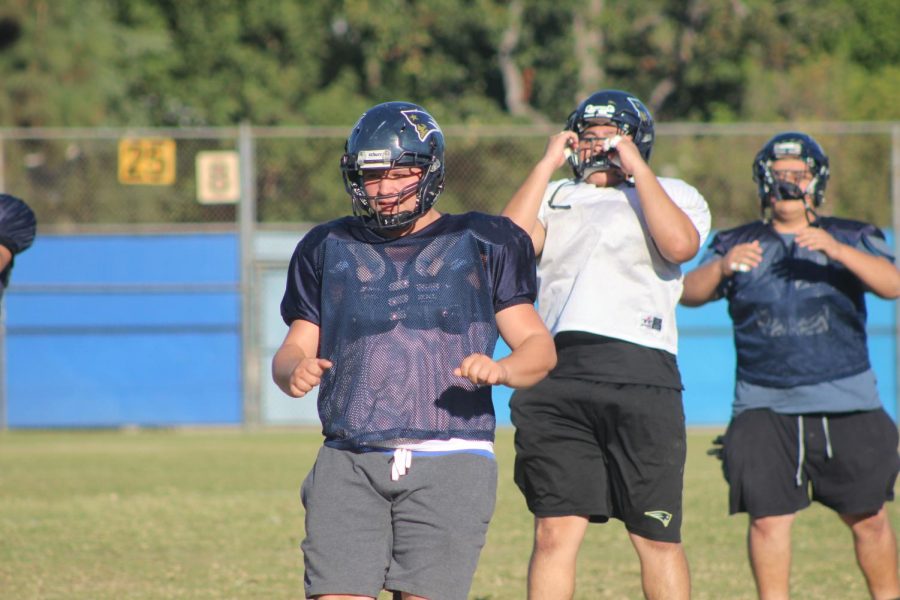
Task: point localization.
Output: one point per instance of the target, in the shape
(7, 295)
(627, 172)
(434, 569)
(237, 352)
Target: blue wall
(162, 346)
(164, 355)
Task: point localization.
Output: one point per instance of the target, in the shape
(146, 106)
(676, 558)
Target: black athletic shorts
(847, 461)
(602, 450)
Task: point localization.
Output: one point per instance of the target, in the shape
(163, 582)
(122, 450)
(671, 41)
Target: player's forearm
(700, 285)
(284, 362)
(523, 207)
(531, 361)
(878, 274)
(674, 234)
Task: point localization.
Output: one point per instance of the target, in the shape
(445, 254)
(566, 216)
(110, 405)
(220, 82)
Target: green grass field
(216, 514)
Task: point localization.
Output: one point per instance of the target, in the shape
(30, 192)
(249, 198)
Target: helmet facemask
(783, 189)
(365, 206)
(609, 107)
(592, 154)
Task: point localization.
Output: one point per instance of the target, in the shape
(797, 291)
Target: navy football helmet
(790, 144)
(388, 135)
(622, 109)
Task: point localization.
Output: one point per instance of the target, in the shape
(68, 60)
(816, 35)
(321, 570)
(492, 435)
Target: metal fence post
(3, 421)
(247, 230)
(895, 221)
(3, 409)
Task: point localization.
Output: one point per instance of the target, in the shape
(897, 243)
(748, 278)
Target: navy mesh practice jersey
(396, 316)
(17, 229)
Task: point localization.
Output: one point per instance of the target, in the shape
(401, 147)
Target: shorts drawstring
(801, 451)
(828, 451)
(401, 463)
(801, 447)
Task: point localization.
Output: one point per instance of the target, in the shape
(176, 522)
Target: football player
(394, 313)
(603, 436)
(807, 422)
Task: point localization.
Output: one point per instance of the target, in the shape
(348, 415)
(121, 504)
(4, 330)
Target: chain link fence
(74, 178)
(152, 180)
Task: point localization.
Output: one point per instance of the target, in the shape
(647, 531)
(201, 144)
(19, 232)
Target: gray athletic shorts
(421, 535)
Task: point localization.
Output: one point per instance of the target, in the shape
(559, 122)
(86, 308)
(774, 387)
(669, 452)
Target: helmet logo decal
(422, 122)
(787, 148)
(374, 159)
(638, 108)
(599, 111)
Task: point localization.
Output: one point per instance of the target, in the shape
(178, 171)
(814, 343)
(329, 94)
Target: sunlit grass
(216, 514)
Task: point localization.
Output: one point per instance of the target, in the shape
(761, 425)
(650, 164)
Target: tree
(70, 63)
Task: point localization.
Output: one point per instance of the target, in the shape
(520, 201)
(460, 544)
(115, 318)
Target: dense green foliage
(472, 63)
(167, 62)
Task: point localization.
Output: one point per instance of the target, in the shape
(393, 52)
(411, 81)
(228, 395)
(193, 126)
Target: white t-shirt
(600, 271)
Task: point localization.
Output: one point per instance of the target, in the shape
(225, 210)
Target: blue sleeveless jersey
(799, 318)
(396, 316)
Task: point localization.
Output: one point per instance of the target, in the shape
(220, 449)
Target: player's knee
(558, 534)
(648, 547)
(870, 524)
(772, 526)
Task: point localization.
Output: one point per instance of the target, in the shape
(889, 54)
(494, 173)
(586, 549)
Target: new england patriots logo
(423, 123)
(660, 515)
